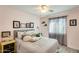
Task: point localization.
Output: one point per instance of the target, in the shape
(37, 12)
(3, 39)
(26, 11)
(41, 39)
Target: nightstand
(7, 46)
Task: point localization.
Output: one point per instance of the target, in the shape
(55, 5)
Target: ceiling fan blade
(50, 10)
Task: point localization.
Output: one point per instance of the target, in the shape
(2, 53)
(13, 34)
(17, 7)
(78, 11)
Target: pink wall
(72, 31)
(8, 14)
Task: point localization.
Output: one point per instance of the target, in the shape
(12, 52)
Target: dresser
(7, 46)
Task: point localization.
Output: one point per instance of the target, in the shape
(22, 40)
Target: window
(57, 25)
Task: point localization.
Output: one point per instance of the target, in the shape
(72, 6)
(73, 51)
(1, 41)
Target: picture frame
(5, 34)
(27, 25)
(16, 24)
(43, 22)
(73, 22)
(31, 25)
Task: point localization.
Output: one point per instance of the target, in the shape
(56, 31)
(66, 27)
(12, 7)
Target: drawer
(9, 48)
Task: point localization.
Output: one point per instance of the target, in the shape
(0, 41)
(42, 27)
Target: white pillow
(35, 38)
(30, 32)
(27, 38)
(30, 39)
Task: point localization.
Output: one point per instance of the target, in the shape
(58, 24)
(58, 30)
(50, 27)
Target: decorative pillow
(31, 33)
(36, 38)
(30, 39)
(27, 38)
(34, 33)
(38, 35)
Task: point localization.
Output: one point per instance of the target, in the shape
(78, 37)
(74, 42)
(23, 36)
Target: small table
(7, 46)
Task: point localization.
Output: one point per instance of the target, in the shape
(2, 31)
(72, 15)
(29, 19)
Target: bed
(43, 45)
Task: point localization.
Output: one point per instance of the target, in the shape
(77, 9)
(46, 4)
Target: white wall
(44, 29)
(8, 14)
(72, 31)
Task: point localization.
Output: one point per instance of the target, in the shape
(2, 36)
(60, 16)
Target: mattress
(44, 45)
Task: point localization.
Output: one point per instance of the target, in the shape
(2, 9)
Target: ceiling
(33, 9)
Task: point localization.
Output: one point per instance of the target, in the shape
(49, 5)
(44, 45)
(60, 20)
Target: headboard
(16, 32)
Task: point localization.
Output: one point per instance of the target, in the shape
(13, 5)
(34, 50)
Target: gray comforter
(44, 45)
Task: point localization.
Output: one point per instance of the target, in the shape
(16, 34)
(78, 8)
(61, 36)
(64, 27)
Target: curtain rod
(57, 17)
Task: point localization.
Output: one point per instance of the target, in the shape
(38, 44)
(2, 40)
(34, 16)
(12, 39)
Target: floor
(64, 49)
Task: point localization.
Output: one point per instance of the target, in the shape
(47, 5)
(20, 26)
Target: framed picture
(45, 24)
(23, 25)
(31, 25)
(27, 25)
(16, 24)
(73, 22)
(5, 34)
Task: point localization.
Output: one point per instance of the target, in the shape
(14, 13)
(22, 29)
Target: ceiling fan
(44, 8)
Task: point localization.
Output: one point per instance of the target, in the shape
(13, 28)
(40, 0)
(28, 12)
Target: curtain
(57, 28)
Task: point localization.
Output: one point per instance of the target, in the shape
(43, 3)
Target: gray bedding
(44, 45)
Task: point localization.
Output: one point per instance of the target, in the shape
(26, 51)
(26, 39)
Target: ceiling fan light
(43, 11)
(43, 8)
